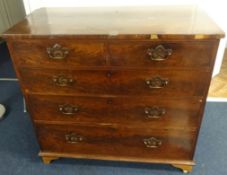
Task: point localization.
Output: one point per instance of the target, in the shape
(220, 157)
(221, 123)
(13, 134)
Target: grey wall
(11, 11)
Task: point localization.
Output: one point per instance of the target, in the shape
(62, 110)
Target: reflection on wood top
(148, 22)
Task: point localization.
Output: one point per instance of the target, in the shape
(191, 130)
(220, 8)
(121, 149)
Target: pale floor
(218, 87)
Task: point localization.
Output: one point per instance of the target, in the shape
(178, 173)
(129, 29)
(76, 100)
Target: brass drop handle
(73, 138)
(157, 82)
(62, 80)
(57, 52)
(68, 109)
(152, 142)
(154, 112)
(159, 53)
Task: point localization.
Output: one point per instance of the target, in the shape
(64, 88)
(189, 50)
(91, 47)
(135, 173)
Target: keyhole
(109, 101)
(109, 74)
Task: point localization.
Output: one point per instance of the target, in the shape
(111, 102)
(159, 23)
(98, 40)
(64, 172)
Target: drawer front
(162, 54)
(178, 113)
(139, 144)
(146, 83)
(52, 53)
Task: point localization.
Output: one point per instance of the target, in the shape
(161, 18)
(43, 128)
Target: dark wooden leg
(184, 168)
(48, 159)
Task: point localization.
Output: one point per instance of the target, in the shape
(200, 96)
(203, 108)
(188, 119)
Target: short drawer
(162, 54)
(115, 82)
(52, 53)
(169, 113)
(122, 143)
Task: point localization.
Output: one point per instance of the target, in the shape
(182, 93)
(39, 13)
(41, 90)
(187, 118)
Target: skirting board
(216, 99)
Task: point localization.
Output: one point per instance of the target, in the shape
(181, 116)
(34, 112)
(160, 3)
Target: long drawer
(123, 143)
(175, 113)
(162, 54)
(63, 53)
(56, 52)
(115, 82)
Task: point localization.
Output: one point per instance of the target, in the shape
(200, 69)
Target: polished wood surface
(81, 53)
(127, 84)
(126, 111)
(120, 82)
(175, 22)
(114, 141)
(106, 157)
(99, 53)
(188, 54)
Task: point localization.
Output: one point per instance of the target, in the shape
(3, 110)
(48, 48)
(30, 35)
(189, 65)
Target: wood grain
(167, 22)
(191, 54)
(113, 141)
(180, 113)
(120, 82)
(81, 53)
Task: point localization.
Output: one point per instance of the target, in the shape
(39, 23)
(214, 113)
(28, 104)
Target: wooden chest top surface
(168, 22)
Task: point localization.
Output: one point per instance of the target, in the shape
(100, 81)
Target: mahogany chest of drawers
(126, 84)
